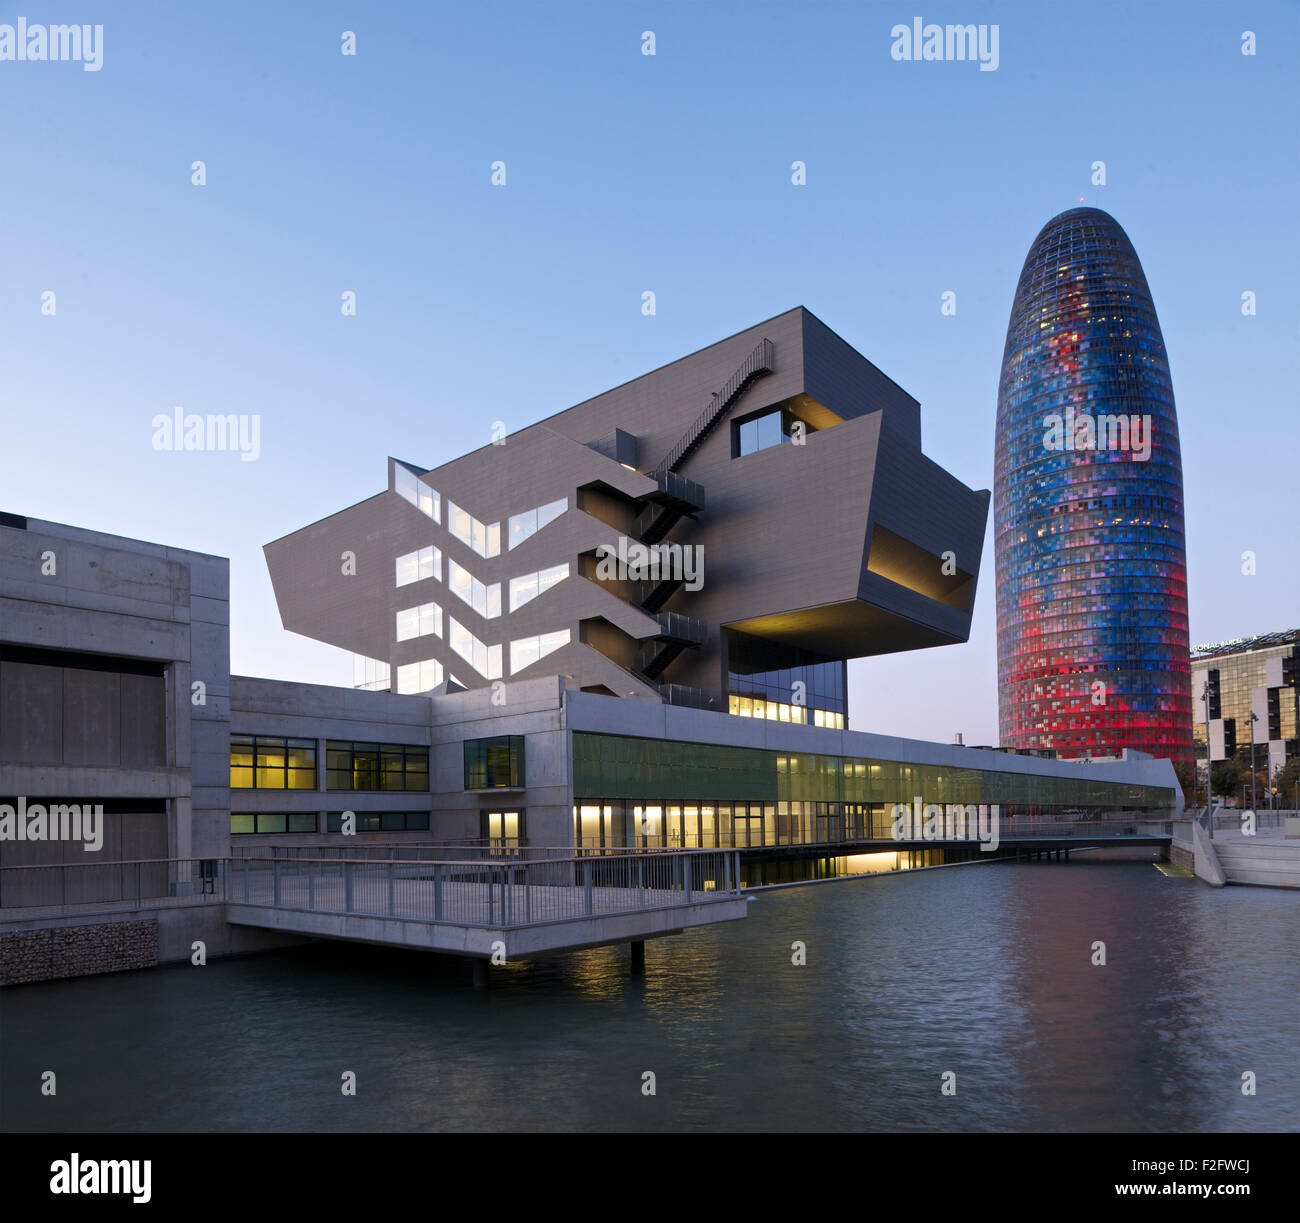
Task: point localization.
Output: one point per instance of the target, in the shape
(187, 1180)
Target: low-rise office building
(1232, 680)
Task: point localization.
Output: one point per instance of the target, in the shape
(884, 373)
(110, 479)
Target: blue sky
(625, 173)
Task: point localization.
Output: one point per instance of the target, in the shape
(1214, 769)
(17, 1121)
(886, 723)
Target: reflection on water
(984, 971)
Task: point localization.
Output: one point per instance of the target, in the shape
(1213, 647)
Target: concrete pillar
(480, 974)
(638, 958)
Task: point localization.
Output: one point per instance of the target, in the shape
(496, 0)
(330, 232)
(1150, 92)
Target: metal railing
(758, 362)
(488, 894)
(116, 885)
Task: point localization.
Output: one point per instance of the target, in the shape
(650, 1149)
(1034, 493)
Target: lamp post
(1254, 717)
(1209, 762)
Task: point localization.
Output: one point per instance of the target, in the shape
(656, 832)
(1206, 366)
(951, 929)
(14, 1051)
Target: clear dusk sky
(625, 173)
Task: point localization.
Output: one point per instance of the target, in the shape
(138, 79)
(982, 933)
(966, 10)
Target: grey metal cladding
(827, 544)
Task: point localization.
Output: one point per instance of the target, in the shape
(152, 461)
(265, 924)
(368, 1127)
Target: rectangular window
(415, 677)
(496, 763)
(419, 621)
(762, 432)
(524, 526)
(528, 586)
(375, 766)
(416, 566)
(269, 762)
(527, 650)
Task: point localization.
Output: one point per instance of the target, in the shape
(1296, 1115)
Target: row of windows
(778, 711)
(486, 659)
(270, 762)
(657, 769)
(375, 766)
(708, 825)
(260, 823)
(484, 538)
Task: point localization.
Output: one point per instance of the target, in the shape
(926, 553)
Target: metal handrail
(484, 892)
(758, 362)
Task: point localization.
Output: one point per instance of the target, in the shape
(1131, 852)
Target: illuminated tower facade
(1088, 507)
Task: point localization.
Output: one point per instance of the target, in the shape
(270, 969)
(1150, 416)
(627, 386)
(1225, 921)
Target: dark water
(983, 971)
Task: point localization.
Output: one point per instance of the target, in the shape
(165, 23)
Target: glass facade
(609, 767)
(766, 679)
(1088, 503)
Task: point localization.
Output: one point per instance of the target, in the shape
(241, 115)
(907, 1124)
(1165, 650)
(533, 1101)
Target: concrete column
(638, 958)
(480, 974)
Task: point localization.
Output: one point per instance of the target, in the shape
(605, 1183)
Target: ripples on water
(984, 971)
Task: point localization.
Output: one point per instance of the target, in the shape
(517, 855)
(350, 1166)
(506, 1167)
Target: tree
(1225, 779)
(1286, 779)
(1186, 774)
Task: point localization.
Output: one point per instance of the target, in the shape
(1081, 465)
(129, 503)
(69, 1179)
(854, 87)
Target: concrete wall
(101, 638)
(532, 708)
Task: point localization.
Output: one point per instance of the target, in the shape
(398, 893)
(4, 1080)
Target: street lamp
(1209, 762)
(1254, 717)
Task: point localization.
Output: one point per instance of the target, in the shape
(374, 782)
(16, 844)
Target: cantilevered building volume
(778, 476)
(1088, 506)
